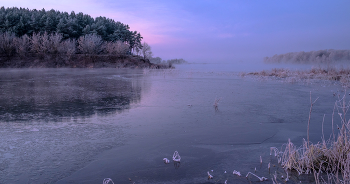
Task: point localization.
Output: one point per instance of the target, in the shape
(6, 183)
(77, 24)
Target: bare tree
(22, 45)
(45, 43)
(146, 51)
(137, 51)
(35, 42)
(7, 45)
(67, 48)
(41, 44)
(117, 48)
(90, 44)
(55, 43)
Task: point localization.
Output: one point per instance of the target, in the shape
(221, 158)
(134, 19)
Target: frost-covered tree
(55, 43)
(71, 25)
(36, 42)
(7, 44)
(146, 51)
(90, 44)
(22, 45)
(117, 48)
(67, 48)
(45, 43)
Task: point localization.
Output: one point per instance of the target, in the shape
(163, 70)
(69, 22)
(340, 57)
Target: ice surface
(81, 126)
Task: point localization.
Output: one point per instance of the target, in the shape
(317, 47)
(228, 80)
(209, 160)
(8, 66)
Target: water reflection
(52, 94)
(177, 164)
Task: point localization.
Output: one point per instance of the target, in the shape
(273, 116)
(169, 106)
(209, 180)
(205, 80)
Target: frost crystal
(209, 176)
(166, 161)
(237, 173)
(176, 157)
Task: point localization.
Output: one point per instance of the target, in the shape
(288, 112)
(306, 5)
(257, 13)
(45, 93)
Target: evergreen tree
(72, 26)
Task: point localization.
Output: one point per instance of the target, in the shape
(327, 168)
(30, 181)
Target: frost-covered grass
(216, 103)
(330, 73)
(328, 161)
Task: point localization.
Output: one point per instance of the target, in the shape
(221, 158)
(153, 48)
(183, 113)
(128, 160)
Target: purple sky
(220, 30)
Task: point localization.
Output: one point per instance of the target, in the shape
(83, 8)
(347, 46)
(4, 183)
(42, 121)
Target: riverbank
(79, 61)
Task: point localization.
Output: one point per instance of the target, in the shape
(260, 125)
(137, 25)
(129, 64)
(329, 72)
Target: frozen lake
(84, 125)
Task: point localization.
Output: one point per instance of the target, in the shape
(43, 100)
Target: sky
(220, 31)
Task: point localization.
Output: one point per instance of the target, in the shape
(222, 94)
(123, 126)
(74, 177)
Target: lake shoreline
(79, 61)
(331, 74)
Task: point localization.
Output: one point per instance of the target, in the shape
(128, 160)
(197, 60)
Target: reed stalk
(331, 157)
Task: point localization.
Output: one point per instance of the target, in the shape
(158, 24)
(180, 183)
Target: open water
(84, 125)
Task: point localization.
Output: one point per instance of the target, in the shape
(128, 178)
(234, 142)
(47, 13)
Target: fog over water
(50, 94)
(84, 125)
(72, 125)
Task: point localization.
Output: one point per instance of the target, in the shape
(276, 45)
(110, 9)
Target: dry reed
(216, 103)
(331, 157)
(333, 74)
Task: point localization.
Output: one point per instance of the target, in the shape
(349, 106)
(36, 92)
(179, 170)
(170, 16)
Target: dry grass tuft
(216, 103)
(331, 157)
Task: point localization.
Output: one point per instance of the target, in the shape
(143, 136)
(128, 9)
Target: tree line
(66, 39)
(21, 21)
(54, 48)
(45, 44)
(320, 56)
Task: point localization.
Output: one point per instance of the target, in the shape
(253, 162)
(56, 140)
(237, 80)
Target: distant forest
(58, 39)
(320, 56)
